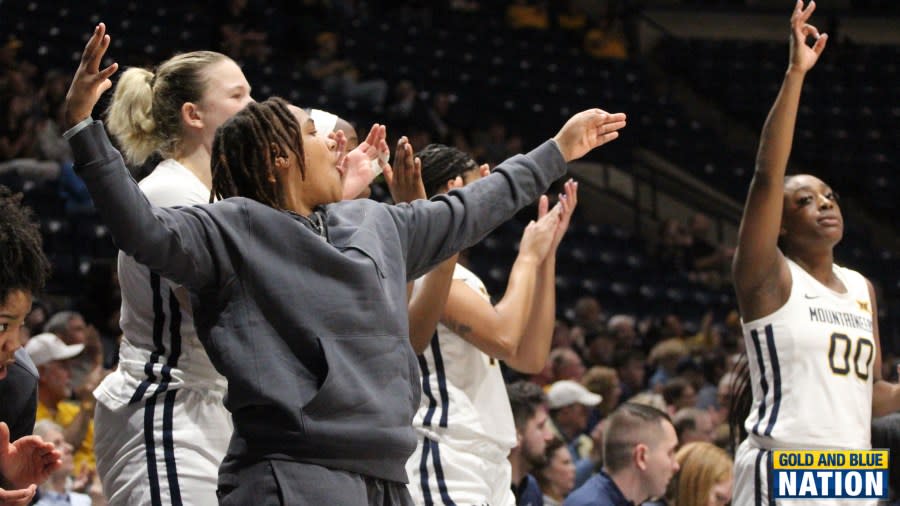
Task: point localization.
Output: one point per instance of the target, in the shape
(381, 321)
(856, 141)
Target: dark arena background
(659, 208)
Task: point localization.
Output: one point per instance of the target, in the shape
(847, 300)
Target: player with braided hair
(464, 421)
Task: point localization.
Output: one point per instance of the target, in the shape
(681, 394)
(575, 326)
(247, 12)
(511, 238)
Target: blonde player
(810, 325)
(162, 429)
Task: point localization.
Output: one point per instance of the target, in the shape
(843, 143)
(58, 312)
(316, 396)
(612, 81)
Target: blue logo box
(830, 474)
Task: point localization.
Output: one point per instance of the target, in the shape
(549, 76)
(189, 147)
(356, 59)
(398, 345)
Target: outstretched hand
(804, 57)
(567, 201)
(89, 82)
(538, 237)
(588, 130)
(29, 460)
(357, 165)
(404, 178)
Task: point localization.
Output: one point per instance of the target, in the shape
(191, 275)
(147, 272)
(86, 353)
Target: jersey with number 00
(811, 366)
(464, 398)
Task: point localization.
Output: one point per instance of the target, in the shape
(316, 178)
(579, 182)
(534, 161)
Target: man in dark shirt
(529, 408)
(638, 456)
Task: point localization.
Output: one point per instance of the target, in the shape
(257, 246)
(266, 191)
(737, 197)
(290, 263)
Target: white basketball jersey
(811, 365)
(464, 399)
(160, 349)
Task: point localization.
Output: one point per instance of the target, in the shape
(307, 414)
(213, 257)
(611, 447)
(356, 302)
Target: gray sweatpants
(278, 482)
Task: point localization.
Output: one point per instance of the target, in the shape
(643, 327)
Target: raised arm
(171, 242)
(761, 274)
(498, 330)
(433, 230)
(533, 352)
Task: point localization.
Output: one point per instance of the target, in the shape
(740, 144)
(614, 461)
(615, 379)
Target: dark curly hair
(442, 163)
(243, 156)
(23, 265)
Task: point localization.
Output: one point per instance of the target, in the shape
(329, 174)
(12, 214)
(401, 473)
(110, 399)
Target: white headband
(325, 121)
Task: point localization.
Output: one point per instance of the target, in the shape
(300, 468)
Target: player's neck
(197, 160)
(819, 265)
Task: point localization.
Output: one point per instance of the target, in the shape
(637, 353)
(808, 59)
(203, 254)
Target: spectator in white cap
(48, 347)
(570, 404)
(51, 356)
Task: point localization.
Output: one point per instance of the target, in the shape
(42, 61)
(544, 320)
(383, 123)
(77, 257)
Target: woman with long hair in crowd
(705, 477)
(556, 476)
(810, 325)
(300, 298)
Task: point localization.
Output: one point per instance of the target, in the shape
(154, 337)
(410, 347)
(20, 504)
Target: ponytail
(130, 116)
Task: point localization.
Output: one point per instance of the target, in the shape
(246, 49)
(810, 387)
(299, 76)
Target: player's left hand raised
(89, 82)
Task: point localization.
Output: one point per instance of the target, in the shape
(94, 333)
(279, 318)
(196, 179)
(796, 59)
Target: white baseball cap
(48, 347)
(566, 392)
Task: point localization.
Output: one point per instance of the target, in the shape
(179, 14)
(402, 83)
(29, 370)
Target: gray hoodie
(309, 326)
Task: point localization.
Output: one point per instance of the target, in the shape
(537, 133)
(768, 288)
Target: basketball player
(464, 422)
(810, 325)
(301, 298)
(162, 429)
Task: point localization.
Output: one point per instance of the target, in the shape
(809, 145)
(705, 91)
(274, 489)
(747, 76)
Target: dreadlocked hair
(740, 404)
(245, 148)
(440, 164)
(23, 265)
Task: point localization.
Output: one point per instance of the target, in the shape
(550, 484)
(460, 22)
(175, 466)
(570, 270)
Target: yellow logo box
(830, 459)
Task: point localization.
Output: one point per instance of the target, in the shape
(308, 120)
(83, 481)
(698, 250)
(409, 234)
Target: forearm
(532, 353)
(427, 304)
(514, 309)
(454, 221)
(885, 398)
(778, 131)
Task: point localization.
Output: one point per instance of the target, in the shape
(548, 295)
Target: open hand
(404, 178)
(29, 460)
(568, 201)
(804, 57)
(89, 82)
(588, 130)
(357, 165)
(21, 497)
(538, 236)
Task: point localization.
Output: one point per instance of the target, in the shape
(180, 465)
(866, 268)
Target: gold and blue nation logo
(830, 474)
